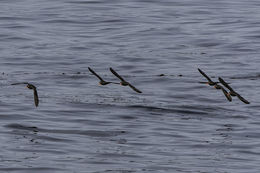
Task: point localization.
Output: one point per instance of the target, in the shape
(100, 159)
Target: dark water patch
(168, 132)
(78, 48)
(250, 77)
(14, 18)
(16, 38)
(92, 133)
(225, 129)
(116, 21)
(248, 152)
(247, 135)
(149, 108)
(88, 121)
(39, 150)
(101, 162)
(22, 127)
(87, 2)
(127, 117)
(75, 76)
(119, 141)
(118, 155)
(252, 37)
(118, 171)
(240, 159)
(14, 116)
(16, 26)
(168, 110)
(141, 143)
(225, 23)
(67, 21)
(166, 168)
(3, 36)
(207, 43)
(31, 170)
(52, 139)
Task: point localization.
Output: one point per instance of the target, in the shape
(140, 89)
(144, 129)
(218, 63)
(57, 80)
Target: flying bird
(216, 85)
(101, 82)
(228, 96)
(31, 86)
(123, 82)
(232, 92)
(210, 82)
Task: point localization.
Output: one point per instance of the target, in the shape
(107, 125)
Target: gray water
(176, 125)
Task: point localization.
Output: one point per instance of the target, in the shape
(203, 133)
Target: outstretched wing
(94, 73)
(19, 83)
(242, 99)
(135, 89)
(201, 72)
(36, 98)
(228, 96)
(225, 84)
(239, 96)
(116, 74)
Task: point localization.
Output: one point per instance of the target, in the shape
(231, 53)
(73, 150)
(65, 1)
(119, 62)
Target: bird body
(232, 92)
(101, 82)
(32, 87)
(216, 85)
(123, 82)
(210, 82)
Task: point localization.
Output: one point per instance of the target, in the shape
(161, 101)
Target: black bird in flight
(232, 92)
(123, 82)
(101, 82)
(210, 82)
(216, 85)
(31, 86)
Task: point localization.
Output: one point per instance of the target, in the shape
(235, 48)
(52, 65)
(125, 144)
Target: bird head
(29, 86)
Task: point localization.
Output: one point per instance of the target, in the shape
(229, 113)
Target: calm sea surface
(176, 125)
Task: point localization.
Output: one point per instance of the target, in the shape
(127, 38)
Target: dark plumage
(31, 86)
(232, 92)
(215, 85)
(123, 82)
(210, 82)
(101, 82)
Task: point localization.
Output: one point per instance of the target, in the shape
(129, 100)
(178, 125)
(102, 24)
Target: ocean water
(177, 123)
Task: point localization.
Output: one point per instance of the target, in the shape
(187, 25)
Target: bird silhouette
(232, 92)
(210, 82)
(124, 82)
(32, 87)
(101, 82)
(216, 85)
